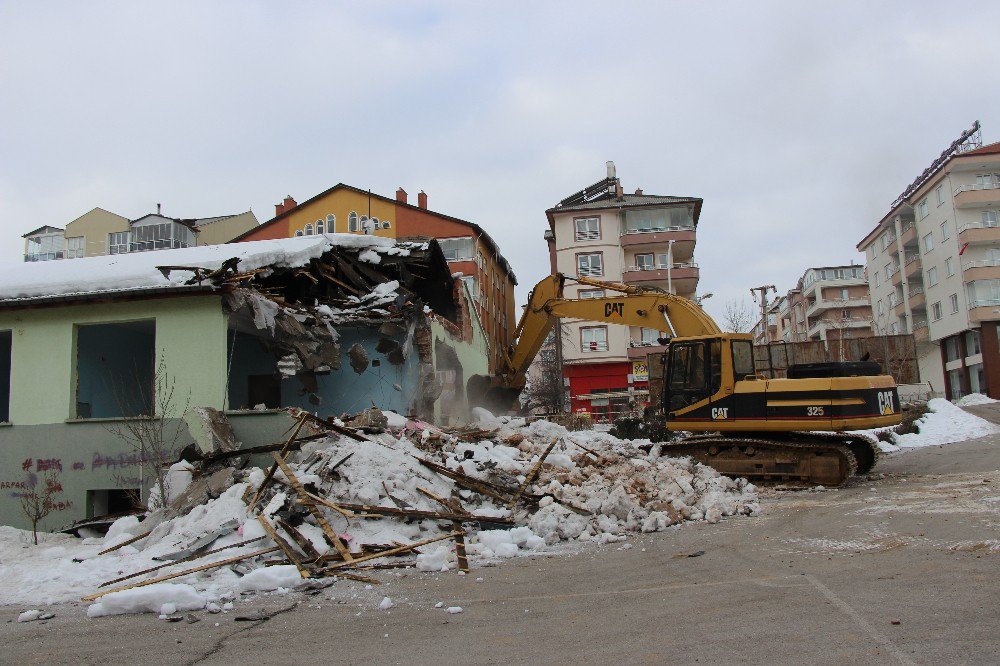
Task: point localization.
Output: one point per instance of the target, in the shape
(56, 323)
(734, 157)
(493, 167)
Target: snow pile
(974, 399)
(590, 486)
(943, 424)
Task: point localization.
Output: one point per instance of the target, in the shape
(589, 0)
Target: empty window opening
(112, 501)
(5, 348)
(253, 378)
(115, 368)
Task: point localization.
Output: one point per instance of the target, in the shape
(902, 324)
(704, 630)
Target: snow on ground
(943, 424)
(974, 399)
(595, 497)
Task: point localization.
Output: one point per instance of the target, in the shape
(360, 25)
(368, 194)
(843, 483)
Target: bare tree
(149, 435)
(739, 316)
(544, 389)
(36, 498)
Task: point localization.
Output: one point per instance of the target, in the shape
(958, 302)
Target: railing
(887, 241)
(980, 263)
(656, 230)
(976, 187)
(43, 256)
(920, 324)
(589, 234)
(910, 259)
(985, 303)
(589, 272)
(893, 270)
(906, 226)
(594, 347)
(663, 267)
(916, 291)
(978, 225)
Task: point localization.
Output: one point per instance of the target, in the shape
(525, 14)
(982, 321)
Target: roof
(601, 195)
(991, 149)
(193, 223)
(343, 186)
(45, 228)
(137, 273)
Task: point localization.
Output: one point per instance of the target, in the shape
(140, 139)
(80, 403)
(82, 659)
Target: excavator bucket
(482, 391)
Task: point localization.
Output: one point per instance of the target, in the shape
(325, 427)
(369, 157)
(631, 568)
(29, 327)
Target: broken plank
(418, 513)
(385, 553)
(480, 486)
(463, 560)
(186, 559)
(285, 547)
(533, 472)
(274, 468)
(300, 540)
(449, 504)
(127, 542)
(330, 505)
(178, 574)
(331, 536)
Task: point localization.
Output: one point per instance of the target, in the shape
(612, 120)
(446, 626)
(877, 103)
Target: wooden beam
(532, 473)
(125, 543)
(285, 547)
(300, 540)
(385, 553)
(178, 574)
(274, 468)
(185, 559)
(417, 513)
(331, 536)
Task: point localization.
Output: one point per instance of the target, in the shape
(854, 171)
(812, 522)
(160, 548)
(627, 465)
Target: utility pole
(763, 289)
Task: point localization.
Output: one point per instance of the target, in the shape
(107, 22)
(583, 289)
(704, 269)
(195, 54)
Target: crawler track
(807, 458)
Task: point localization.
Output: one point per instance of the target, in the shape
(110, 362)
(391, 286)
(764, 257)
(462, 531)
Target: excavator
(793, 430)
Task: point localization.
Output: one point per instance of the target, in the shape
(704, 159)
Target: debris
(895, 621)
(192, 618)
(29, 616)
(697, 553)
(386, 604)
(454, 610)
(358, 357)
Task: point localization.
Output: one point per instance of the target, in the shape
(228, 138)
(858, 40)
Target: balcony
(984, 310)
(658, 239)
(984, 269)
(899, 309)
(908, 234)
(838, 324)
(975, 233)
(912, 266)
(683, 276)
(977, 196)
(917, 298)
(818, 306)
(920, 331)
(637, 351)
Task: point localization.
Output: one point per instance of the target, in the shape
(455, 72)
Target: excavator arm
(635, 306)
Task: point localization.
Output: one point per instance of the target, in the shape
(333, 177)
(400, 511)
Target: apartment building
(774, 330)
(828, 303)
(100, 232)
(639, 239)
(933, 266)
(469, 249)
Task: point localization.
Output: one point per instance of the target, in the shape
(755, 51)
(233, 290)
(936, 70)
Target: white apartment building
(640, 239)
(933, 265)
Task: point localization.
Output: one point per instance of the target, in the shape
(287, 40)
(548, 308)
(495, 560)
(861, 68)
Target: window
(843, 294)
(953, 299)
(588, 228)
(118, 242)
(845, 314)
(949, 266)
(352, 222)
(594, 339)
(319, 226)
(650, 337)
(115, 369)
(988, 218)
(871, 252)
(74, 247)
(644, 262)
(951, 351)
(298, 232)
(878, 279)
(928, 243)
(887, 239)
(986, 181)
(944, 231)
(590, 265)
(972, 345)
(159, 236)
(881, 308)
(591, 293)
(936, 311)
(6, 342)
(331, 224)
(993, 256)
(743, 364)
(309, 229)
(932, 277)
(386, 224)
(894, 329)
(659, 219)
(457, 249)
(939, 191)
(923, 209)
(888, 271)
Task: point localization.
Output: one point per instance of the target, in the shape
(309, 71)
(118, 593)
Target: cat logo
(886, 403)
(720, 413)
(611, 309)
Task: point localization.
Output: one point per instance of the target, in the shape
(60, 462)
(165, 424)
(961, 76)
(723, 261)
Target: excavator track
(798, 458)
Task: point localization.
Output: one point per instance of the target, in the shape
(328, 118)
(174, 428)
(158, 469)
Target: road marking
(862, 622)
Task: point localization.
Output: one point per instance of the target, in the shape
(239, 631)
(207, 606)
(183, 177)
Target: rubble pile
(338, 504)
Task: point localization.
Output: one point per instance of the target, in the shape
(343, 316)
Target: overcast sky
(797, 124)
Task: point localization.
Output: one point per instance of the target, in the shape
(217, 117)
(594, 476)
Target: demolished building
(329, 324)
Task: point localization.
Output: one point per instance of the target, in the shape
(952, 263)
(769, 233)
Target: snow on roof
(137, 271)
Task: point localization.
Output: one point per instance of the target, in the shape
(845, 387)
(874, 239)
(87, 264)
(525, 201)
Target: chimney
(284, 206)
(401, 195)
(619, 193)
(611, 169)
(157, 209)
(422, 199)
(638, 191)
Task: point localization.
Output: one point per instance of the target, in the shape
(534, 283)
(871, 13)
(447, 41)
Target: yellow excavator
(790, 430)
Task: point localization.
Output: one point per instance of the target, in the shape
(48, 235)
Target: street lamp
(699, 299)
